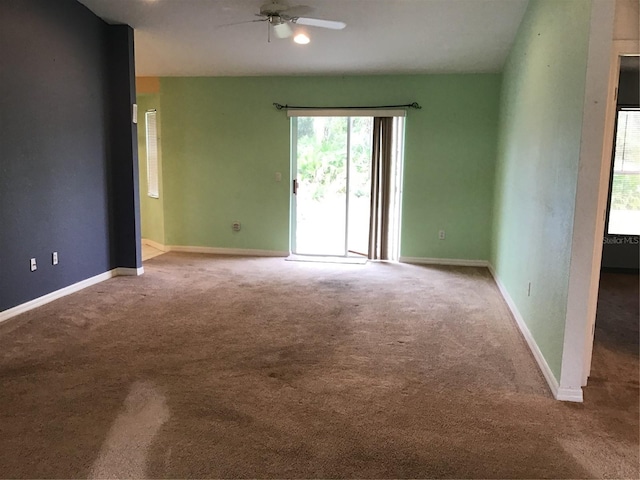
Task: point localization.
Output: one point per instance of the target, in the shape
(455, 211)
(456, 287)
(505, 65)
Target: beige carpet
(215, 367)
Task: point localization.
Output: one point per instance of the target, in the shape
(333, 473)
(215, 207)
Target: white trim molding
(588, 225)
(242, 252)
(573, 394)
(154, 244)
(63, 292)
(618, 49)
(128, 272)
(454, 262)
(570, 395)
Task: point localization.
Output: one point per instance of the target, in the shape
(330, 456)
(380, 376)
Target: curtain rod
(415, 105)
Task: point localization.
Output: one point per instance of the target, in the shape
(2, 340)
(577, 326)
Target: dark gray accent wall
(124, 187)
(66, 78)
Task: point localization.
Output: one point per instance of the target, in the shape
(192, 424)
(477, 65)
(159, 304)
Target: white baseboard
(63, 292)
(565, 394)
(128, 272)
(570, 394)
(154, 244)
(227, 251)
(455, 262)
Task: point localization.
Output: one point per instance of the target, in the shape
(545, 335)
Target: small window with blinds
(152, 154)
(624, 209)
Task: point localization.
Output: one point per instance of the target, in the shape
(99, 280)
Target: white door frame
(293, 224)
(619, 48)
(331, 112)
(294, 177)
(586, 221)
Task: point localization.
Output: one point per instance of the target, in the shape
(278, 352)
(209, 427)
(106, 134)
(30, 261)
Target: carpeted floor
(221, 367)
(615, 370)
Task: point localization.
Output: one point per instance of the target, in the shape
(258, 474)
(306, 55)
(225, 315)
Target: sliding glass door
(332, 184)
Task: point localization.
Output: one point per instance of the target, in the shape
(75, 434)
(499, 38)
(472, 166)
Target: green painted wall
(151, 209)
(536, 175)
(223, 141)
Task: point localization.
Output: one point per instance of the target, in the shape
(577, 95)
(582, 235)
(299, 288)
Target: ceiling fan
(279, 17)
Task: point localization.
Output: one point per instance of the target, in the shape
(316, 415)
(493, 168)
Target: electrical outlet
(54, 258)
(34, 267)
(235, 226)
(441, 235)
(278, 177)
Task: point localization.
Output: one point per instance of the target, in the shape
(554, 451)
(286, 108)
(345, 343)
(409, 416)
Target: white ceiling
(184, 37)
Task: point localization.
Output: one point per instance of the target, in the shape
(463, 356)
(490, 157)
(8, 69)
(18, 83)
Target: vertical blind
(152, 154)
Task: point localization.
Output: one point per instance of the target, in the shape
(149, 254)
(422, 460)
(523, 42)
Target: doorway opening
(623, 206)
(150, 179)
(336, 172)
(612, 356)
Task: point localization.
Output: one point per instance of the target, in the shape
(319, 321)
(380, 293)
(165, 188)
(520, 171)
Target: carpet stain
(125, 451)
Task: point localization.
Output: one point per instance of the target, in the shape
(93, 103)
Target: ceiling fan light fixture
(301, 39)
(282, 30)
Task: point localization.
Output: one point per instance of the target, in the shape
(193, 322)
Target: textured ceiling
(186, 37)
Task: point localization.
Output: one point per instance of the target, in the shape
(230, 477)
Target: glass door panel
(321, 191)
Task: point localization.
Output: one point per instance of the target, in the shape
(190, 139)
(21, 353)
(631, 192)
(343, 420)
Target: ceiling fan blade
(317, 22)
(271, 8)
(239, 23)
